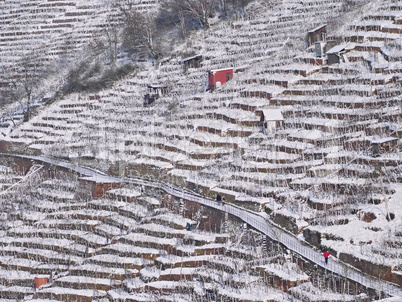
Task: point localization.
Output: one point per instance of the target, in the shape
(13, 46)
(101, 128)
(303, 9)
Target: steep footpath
(59, 243)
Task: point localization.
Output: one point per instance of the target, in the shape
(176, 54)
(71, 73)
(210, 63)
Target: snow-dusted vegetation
(131, 249)
(308, 131)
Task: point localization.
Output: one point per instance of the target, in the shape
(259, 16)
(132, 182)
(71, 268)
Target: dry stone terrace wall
(210, 133)
(45, 39)
(333, 114)
(42, 25)
(156, 138)
(53, 27)
(128, 246)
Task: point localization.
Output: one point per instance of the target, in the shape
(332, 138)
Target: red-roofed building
(219, 77)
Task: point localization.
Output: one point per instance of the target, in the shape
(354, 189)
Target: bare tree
(187, 15)
(230, 7)
(195, 12)
(140, 31)
(111, 32)
(200, 10)
(24, 79)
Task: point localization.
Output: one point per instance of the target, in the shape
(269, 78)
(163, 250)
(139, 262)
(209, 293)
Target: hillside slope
(329, 171)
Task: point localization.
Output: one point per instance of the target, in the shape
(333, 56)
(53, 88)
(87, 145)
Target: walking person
(326, 255)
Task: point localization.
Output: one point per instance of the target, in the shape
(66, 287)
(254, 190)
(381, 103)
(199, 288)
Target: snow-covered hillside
(329, 170)
(129, 246)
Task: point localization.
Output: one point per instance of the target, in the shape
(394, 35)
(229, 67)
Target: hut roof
(272, 114)
(317, 28)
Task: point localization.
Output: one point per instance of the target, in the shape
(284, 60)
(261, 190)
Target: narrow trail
(254, 219)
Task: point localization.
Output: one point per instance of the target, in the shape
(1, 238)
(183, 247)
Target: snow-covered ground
(321, 168)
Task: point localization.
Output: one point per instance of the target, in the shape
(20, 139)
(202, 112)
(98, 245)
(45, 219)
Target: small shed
(191, 62)
(154, 93)
(219, 77)
(320, 48)
(386, 144)
(39, 281)
(335, 54)
(317, 34)
(271, 119)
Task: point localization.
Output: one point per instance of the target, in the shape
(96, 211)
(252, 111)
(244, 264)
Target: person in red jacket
(326, 254)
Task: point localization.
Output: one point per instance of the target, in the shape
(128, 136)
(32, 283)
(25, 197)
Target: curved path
(254, 219)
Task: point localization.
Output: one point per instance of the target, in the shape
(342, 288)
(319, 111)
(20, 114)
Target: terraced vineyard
(329, 170)
(127, 246)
